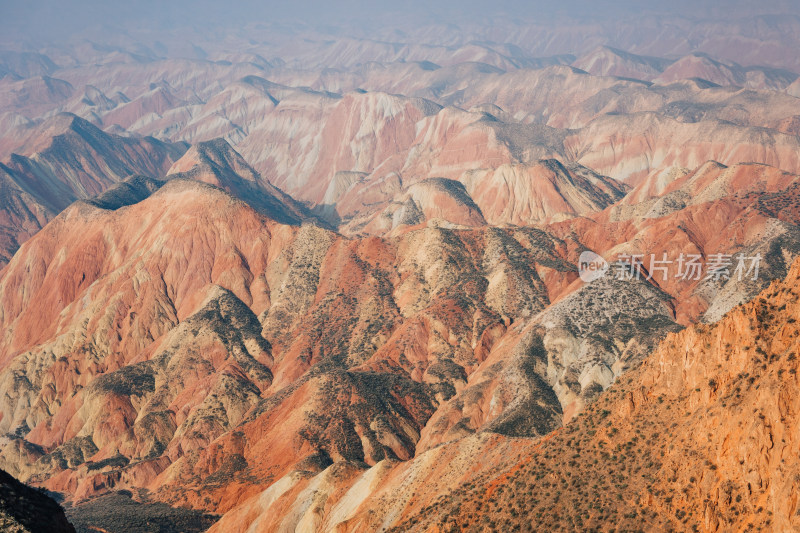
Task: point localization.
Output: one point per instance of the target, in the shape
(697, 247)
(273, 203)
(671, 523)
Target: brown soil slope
(703, 436)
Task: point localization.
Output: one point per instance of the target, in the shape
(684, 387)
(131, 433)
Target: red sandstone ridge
(71, 160)
(712, 210)
(180, 339)
(718, 381)
(546, 191)
(204, 352)
(199, 347)
(353, 302)
(633, 147)
(217, 163)
(193, 278)
(733, 383)
(432, 201)
(391, 122)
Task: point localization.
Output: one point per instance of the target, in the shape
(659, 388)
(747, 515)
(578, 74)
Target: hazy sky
(58, 19)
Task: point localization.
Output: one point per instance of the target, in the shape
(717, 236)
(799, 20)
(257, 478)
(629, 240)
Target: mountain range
(314, 282)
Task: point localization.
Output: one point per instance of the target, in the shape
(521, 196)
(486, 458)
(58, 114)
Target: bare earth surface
(295, 281)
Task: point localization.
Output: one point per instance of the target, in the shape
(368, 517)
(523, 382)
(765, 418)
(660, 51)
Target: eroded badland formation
(284, 280)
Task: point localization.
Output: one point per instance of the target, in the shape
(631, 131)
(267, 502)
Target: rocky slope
(431, 201)
(215, 162)
(542, 372)
(27, 510)
(712, 210)
(71, 159)
(541, 192)
(401, 339)
(109, 330)
(699, 437)
(276, 304)
(152, 345)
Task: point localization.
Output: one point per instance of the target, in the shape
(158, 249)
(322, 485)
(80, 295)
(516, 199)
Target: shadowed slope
(27, 510)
